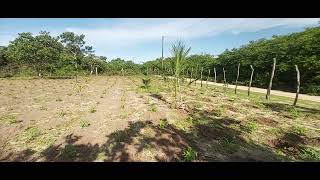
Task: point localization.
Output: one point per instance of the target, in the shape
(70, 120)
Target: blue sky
(140, 39)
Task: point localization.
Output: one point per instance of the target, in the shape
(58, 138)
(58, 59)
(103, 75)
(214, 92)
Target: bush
(189, 154)
(311, 90)
(146, 82)
(6, 75)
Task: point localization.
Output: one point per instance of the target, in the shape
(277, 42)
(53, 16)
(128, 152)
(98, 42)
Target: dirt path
(261, 90)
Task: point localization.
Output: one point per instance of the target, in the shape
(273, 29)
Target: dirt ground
(115, 119)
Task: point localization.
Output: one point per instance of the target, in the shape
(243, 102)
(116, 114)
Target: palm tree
(179, 52)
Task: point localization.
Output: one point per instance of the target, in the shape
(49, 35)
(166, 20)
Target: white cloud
(5, 39)
(135, 31)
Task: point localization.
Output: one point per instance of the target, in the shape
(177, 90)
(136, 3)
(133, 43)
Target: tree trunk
(96, 70)
(196, 76)
(208, 78)
(191, 75)
(252, 70)
(272, 75)
(235, 90)
(298, 85)
(91, 69)
(201, 75)
(224, 77)
(175, 91)
(215, 75)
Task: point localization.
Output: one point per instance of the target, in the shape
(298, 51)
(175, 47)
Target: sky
(139, 39)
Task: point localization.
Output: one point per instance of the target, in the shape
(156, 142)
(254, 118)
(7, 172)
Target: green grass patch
(184, 124)
(69, 151)
(84, 123)
(190, 154)
(310, 154)
(93, 110)
(153, 108)
(29, 134)
(299, 130)
(163, 123)
(251, 126)
(10, 119)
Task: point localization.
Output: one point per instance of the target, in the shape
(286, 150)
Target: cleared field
(116, 119)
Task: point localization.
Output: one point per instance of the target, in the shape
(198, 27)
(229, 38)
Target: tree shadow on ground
(213, 138)
(282, 107)
(159, 97)
(71, 151)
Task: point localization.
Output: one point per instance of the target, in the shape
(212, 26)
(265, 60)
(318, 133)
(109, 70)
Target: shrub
(146, 82)
(84, 123)
(189, 154)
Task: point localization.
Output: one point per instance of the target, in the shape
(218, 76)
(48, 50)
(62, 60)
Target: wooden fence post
(191, 75)
(298, 85)
(235, 90)
(252, 70)
(196, 76)
(208, 78)
(224, 78)
(201, 75)
(215, 74)
(272, 75)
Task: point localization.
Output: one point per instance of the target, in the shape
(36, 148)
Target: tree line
(68, 54)
(301, 49)
(64, 55)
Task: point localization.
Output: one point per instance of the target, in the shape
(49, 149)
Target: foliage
(310, 154)
(84, 123)
(189, 154)
(302, 49)
(146, 82)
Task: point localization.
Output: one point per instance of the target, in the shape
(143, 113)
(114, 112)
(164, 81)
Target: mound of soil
(266, 121)
(289, 143)
(231, 108)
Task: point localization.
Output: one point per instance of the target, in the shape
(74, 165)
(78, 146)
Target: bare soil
(115, 119)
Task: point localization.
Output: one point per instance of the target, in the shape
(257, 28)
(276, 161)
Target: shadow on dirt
(213, 138)
(281, 107)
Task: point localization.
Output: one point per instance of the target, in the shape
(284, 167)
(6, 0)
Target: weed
(197, 104)
(104, 91)
(146, 83)
(294, 113)
(299, 130)
(58, 99)
(120, 136)
(11, 119)
(153, 108)
(69, 151)
(163, 123)
(189, 154)
(30, 134)
(122, 106)
(43, 108)
(93, 110)
(84, 123)
(251, 125)
(123, 115)
(62, 113)
(218, 111)
(310, 154)
(184, 124)
(229, 145)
